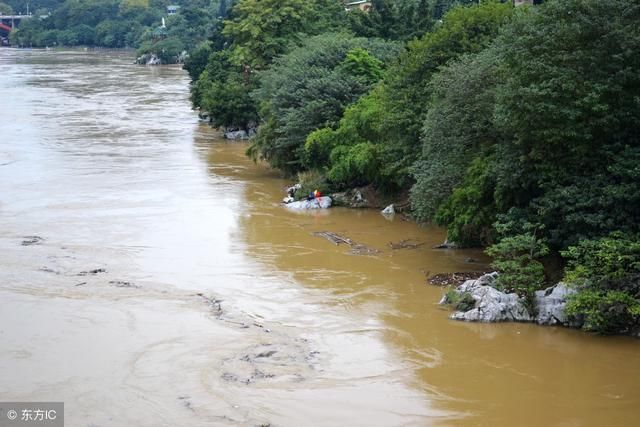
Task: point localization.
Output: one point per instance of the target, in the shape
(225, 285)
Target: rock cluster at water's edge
(149, 59)
(351, 199)
(154, 59)
(240, 134)
(491, 305)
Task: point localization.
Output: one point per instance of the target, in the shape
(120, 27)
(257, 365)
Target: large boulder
(389, 211)
(240, 134)
(550, 304)
(490, 304)
(149, 59)
(351, 199)
(317, 203)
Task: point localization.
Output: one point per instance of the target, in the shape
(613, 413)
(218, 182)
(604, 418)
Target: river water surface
(149, 277)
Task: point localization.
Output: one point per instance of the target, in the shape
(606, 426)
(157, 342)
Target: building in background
(363, 5)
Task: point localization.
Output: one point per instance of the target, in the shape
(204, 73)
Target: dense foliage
(556, 138)
(517, 255)
(377, 140)
(607, 273)
(309, 88)
(514, 128)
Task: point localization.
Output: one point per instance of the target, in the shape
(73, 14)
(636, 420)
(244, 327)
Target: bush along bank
(600, 291)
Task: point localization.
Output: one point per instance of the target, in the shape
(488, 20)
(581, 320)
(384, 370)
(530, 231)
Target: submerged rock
(317, 203)
(446, 245)
(31, 240)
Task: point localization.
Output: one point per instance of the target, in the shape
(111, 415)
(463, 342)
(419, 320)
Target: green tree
(517, 257)
(222, 92)
(392, 116)
(67, 38)
(196, 63)
(85, 34)
(570, 101)
(470, 211)
(358, 128)
(260, 30)
(360, 63)
(393, 19)
(5, 9)
(606, 273)
(29, 33)
(128, 6)
(407, 93)
(309, 88)
(457, 127)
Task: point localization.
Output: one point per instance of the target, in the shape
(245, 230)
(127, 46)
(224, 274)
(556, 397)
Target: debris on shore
(454, 279)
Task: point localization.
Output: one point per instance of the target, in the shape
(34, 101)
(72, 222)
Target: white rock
(550, 304)
(236, 135)
(389, 210)
(291, 191)
(491, 305)
(317, 203)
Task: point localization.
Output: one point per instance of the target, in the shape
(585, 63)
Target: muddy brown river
(149, 277)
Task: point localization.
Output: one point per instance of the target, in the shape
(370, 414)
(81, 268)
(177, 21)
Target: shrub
(311, 181)
(604, 263)
(318, 146)
(354, 165)
(607, 274)
(605, 311)
(460, 301)
(517, 257)
(465, 302)
(469, 212)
